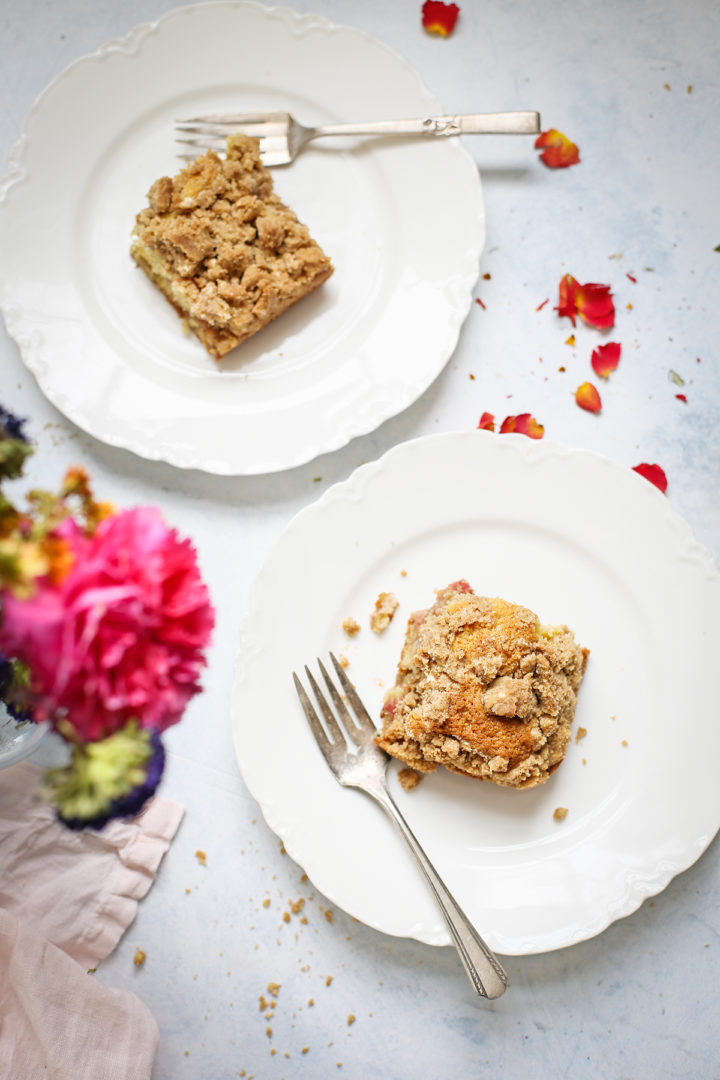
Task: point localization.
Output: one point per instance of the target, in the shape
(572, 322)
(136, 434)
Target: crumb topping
(224, 248)
(484, 689)
(385, 607)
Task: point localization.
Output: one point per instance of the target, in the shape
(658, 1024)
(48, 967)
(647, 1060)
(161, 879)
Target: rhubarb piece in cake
(483, 688)
(227, 253)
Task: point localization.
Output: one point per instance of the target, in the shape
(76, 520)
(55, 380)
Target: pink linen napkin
(65, 900)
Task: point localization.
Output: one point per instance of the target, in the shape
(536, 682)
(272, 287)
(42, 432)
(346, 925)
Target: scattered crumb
(311, 1002)
(351, 627)
(403, 573)
(266, 902)
(305, 1049)
(624, 742)
(328, 914)
(350, 1019)
(286, 916)
(385, 607)
(328, 980)
(570, 340)
(581, 733)
(187, 1053)
(409, 778)
(268, 1032)
(297, 907)
(584, 761)
(343, 660)
(273, 988)
(560, 813)
(188, 890)
(91, 971)
(201, 857)
(139, 958)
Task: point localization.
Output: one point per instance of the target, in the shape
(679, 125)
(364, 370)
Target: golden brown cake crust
(484, 689)
(225, 250)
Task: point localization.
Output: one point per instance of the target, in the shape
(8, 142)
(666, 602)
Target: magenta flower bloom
(121, 635)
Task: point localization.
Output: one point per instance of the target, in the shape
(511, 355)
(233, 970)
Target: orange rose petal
(522, 424)
(487, 422)
(605, 359)
(654, 473)
(439, 18)
(588, 398)
(558, 152)
(566, 297)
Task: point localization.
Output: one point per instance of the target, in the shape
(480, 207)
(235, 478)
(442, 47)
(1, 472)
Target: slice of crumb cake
(225, 250)
(484, 689)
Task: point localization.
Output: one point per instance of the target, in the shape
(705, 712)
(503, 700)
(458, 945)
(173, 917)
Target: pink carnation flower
(122, 635)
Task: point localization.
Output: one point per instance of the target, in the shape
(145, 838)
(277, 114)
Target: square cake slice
(484, 689)
(225, 250)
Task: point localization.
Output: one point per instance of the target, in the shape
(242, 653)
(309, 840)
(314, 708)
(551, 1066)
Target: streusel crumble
(227, 253)
(484, 689)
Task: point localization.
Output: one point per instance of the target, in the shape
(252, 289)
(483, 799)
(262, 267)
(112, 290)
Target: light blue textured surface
(636, 86)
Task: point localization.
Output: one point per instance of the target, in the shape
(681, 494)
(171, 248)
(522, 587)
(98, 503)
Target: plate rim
(644, 885)
(34, 350)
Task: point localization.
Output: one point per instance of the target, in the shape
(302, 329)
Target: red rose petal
(681, 397)
(595, 305)
(487, 422)
(522, 424)
(654, 473)
(605, 359)
(588, 398)
(592, 302)
(439, 18)
(558, 151)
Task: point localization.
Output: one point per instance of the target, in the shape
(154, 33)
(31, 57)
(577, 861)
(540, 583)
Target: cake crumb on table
(385, 607)
(139, 958)
(343, 660)
(201, 857)
(581, 733)
(560, 813)
(351, 1019)
(351, 626)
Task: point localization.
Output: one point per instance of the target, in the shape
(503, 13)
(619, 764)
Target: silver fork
(365, 769)
(282, 137)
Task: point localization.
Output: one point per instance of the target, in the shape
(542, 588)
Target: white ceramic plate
(577, 538)
(403, 222)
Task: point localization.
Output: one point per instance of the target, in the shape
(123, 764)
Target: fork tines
(360, 728)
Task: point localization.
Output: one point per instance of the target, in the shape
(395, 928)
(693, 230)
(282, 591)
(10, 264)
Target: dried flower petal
(558, 151)
(654, 473)
(487, 422)
(439, 18)
(588, 398)
(522, 424)
(605, 359)
(592, 302)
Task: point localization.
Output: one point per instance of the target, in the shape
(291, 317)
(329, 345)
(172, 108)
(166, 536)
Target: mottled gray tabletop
(636, 87)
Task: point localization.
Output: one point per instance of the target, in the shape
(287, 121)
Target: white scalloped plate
(403, 222)
(577, 538)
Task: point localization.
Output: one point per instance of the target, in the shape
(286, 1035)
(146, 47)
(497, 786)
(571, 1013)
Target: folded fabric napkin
(65, 900)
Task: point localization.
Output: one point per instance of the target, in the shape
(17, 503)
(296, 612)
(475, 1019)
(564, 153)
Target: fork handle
(483, 969)
(503, 123)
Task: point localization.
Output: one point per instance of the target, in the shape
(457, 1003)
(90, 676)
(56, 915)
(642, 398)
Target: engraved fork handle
(484, 971)
(504, 123)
